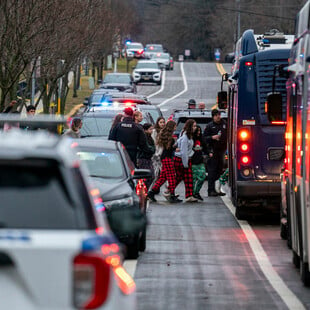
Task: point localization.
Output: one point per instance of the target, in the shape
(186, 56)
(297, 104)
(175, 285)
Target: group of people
(174, 160)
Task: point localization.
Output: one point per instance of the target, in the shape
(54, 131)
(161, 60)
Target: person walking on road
(159, 125)
(131, 135)
(182, 159)
(198, 166)
(145, 159)
(167, 143)
(215, 134)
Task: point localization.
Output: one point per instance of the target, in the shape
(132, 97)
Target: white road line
(161, 88)
(130, 266)
(182, 92)
(288, 297)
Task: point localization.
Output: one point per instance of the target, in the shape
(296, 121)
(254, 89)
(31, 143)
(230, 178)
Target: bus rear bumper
(258, 189)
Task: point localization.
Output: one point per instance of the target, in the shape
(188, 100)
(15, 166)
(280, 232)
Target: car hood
(146, 70)
(106, 85)
(111, 191)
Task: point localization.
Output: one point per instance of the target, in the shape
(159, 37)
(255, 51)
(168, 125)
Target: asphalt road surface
(198, 255)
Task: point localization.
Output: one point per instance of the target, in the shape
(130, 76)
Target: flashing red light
(245, 159)
(158, 54)
(140, 51)
(249, 63)
(152, 47)
(128, 104)
(244, 147)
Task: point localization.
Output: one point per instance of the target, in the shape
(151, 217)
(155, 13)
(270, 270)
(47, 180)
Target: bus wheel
(283, 232)
(296, 259)
(304, 273)
(240, 213)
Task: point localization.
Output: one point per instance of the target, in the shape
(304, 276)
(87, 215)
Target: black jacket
(212, 129)
(131, 136)
(151, 146)
(197, 158)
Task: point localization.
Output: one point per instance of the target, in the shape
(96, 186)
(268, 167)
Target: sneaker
(168, 194)
(213, 194)
(217, 186)
(151, 196)
(174, 199)
(198, 197)
(191, 199)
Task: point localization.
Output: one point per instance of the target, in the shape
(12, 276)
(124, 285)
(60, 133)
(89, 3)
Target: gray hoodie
(186, 149)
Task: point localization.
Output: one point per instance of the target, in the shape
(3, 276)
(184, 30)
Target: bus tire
(304, 273)
(296, 259)
(283, 231)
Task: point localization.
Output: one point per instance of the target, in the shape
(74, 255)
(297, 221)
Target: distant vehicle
(120, 184)
(134, 50)
(56, 248)
(163, 59)
(120, 81)
(171, 66)
(255, 164)
(152, 49)
(147, 71)
(97, 121)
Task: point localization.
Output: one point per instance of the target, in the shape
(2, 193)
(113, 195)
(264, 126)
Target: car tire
(133, 248)
(142, 244)
(159, 83)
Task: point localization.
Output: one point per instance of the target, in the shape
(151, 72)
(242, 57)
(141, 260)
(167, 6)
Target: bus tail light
(246, 172)
(244, 147)
(249, 63)
(244, 134)
(245, 160)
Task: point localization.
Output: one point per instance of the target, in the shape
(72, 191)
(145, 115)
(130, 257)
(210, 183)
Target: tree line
(50, 38)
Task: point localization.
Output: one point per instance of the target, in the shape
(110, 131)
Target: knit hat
(128, 111)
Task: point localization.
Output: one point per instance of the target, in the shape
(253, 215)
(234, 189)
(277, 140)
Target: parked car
(120, 81)
(163, 60)
(152, 49)
(56, 250)
(153, 110)
(147, 71)
(97, 121)
(134, 50)
(120, 184)
(171, 63)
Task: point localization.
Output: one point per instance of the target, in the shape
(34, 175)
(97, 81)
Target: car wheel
(133, 248)
(304, 273)
(159, 83)
(142, 244)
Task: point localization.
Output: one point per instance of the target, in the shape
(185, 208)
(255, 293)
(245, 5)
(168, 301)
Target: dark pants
(215, 166)
(144, 163)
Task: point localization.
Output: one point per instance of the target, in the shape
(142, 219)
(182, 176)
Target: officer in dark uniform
(215, 134)
(130, 135)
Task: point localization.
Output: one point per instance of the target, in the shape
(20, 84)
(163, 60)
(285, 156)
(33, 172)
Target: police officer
(191, 104)
(215, 134)
(130, 135)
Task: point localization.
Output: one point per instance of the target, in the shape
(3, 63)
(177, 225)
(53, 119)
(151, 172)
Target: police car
(56, 248)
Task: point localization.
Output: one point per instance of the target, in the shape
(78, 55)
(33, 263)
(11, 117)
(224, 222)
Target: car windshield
(96, 126)
(117, 78)
(201, 121)
(154, 113)
(106, 164)
(33, 196)
(134, 46)
(163, 56)
(96, 98)
(147, 65)
(154, 48)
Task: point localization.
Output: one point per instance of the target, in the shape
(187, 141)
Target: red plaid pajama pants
(184, 174)
(167, 173)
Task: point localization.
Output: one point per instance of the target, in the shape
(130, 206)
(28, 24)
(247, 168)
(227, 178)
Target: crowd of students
(173, 160)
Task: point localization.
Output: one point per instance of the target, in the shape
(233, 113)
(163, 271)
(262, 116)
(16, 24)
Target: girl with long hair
(159, 125)
(167, 143)
(117, 119)
(182, 159)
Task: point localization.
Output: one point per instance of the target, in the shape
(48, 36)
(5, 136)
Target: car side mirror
(126, 221)
(222, 99)
(86, 101)
(142, 174)
(274, 107)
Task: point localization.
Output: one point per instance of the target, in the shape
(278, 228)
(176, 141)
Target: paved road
(198, 255)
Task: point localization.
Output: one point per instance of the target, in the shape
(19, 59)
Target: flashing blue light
(94, 243)
(105, 103)
(128, 42)
(265, 41)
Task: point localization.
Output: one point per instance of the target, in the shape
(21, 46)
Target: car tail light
(140, 52)
(91, 278)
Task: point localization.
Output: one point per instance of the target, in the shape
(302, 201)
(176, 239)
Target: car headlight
(123, 202)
